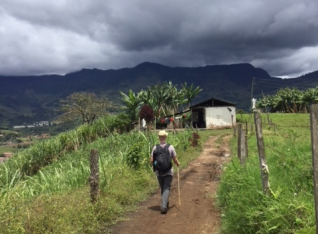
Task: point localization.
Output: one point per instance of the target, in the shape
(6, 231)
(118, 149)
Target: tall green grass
(29, 161)
(45, 189)
(290, 206)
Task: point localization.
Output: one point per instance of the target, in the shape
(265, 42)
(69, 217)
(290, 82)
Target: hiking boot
(163, 210)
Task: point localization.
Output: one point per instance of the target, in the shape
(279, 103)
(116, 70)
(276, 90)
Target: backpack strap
(167, 147)
(158, 147)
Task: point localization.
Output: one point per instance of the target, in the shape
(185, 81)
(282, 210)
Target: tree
(290, 100)
(147, 97)
(146, 112)
(310, 96)
(132, 104)
(163, 98)
(122, 123)
(83, 107)
(190, 92)
(179, 101)
(161, 95)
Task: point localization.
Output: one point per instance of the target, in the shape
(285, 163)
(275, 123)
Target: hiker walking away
(161, 156)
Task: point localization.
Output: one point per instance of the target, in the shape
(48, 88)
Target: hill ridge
(32, 98)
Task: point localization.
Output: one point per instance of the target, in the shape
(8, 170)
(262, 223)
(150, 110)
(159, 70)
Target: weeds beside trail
(45, 188)
(197, 212)
(290, 207)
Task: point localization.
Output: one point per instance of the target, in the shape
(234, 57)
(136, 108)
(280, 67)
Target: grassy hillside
(290, 206)
(45, 189)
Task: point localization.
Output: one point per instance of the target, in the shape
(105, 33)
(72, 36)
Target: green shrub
(134, 157)
(122, 123)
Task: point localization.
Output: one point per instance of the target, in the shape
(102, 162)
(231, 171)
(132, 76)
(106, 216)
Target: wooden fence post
(314, 146)
(239, 140)
(246, 139)
(233, 126)
(243, 147)
(261, 152)
(94, 176)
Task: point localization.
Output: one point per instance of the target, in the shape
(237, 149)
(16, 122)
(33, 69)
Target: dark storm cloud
(66, 35)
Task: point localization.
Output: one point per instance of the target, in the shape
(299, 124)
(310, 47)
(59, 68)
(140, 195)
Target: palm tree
(291, 98)
(309, 97)
(171, 99)
(277, 103)
(265, 102)
(132, 104)
(147, 97)
(161, 94)
(190, 92)
(179, 101)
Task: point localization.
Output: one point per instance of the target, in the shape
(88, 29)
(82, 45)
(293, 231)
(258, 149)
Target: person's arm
(175, 160)
(151, 155)
(173, 154)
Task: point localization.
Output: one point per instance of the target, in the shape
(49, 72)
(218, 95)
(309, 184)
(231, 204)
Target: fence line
(261, 149)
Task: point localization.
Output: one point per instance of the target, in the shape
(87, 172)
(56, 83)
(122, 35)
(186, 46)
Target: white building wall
(219, 116)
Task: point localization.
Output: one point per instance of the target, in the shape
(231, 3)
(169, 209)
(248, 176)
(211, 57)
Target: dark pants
(165, 184)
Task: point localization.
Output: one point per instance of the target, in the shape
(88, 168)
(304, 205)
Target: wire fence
(256, 128)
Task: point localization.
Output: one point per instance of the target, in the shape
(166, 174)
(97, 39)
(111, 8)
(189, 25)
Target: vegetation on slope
(290, 100)
(290, 207)
(45, 189)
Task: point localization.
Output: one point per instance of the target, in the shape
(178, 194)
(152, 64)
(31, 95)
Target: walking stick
(179, 188)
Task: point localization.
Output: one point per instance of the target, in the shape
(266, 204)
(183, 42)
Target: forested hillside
(24, 100)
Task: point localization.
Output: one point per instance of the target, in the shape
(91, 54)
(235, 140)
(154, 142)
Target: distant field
(14, 147)
(4, 149)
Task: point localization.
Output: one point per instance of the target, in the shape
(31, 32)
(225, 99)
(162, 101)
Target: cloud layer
(61, 36)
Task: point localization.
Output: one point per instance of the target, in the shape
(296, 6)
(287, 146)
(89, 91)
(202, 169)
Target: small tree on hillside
(147, 113)
(190, 92)
(132, 104)
(83, 107)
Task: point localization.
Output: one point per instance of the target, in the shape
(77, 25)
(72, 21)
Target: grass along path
(198, 185)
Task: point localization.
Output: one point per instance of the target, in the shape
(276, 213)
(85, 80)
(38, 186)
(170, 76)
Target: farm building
(213, 113)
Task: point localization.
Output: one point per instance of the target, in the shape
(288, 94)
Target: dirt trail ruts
(197, 213)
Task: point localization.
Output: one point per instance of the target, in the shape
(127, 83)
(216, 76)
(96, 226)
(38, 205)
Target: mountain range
(26, 99)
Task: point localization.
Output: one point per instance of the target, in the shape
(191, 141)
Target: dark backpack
(162, 159)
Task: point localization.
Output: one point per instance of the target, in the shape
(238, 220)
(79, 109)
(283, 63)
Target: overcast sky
(62, 36)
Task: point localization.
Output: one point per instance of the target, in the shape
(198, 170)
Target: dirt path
(197, 213)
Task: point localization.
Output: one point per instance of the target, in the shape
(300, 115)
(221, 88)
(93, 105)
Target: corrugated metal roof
(212, 102)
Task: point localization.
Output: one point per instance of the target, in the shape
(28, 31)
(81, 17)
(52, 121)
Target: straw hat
(162, 133)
